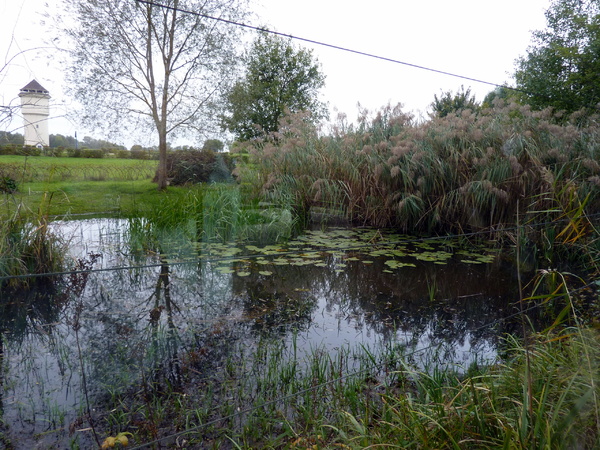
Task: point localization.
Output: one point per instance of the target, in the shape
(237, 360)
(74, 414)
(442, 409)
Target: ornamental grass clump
(462, 172)
(28, 248)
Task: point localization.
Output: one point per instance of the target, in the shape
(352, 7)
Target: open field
(62, 187)
(25, 169)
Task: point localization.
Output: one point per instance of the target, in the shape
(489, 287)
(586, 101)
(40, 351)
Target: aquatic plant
(461, 172)
(28, 248)
(207, 213)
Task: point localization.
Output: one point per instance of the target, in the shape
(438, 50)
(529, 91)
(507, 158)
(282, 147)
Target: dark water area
(135, 316)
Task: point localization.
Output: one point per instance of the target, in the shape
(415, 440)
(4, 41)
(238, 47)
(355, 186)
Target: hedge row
(13, 149)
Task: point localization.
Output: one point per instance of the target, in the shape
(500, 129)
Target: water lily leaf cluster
(338, 247)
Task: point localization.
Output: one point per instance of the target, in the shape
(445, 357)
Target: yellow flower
(122, 439)
(109, 442)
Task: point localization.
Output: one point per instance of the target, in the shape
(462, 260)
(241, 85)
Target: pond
(196, 313)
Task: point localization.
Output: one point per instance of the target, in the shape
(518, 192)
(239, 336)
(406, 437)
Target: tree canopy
(562, 67)
(278, 77)
(449, 102)
(141, 67)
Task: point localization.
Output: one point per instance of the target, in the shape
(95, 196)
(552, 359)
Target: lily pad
(394, 264)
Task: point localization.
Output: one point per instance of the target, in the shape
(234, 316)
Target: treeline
(13, 144)
(60, 141)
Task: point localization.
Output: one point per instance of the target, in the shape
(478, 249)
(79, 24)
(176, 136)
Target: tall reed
(461, 172)
(489, 407)
(28, 248)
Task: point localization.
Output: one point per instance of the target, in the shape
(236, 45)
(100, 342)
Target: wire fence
(250, 410)
(492, 231)
(316, 387)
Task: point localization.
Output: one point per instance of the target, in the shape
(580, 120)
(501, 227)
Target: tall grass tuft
(204, 213)
(28, 248)
(489, 408)
(461, 172)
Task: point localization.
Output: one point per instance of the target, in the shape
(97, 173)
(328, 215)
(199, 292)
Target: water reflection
(364, 304)
(148, 321)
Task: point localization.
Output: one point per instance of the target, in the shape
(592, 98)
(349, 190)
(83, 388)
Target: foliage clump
(28, 248)
(193, 166)
(279, 78)
(448, 102)
(7, 184)
(561, 68)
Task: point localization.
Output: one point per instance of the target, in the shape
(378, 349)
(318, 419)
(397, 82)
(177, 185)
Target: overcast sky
(475, 38)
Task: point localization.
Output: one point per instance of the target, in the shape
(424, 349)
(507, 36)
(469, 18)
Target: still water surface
(327, 289)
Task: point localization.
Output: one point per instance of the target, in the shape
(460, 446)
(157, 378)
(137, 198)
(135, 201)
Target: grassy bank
(63, 199)
(541, 396)
(63, 187)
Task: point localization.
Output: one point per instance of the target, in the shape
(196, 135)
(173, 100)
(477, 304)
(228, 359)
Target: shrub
(143, 154)
(123, 154)
(29, 151)
(7, 184)
(10, 149)
(92, 153)
(74, 152)
(192, 166)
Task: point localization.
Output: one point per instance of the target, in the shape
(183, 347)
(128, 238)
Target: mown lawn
(24, 169)
(95, 198)
(46, 161)
(68, 187)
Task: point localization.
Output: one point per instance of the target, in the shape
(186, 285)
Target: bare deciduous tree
(152, 67)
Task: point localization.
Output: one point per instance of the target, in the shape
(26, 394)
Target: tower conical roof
(35, 87)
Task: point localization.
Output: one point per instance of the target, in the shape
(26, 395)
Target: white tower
(35, 111)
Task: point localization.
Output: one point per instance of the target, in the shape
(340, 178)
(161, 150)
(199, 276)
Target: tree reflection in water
(178, 324)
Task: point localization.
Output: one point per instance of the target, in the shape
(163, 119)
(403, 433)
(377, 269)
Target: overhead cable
(333, 46)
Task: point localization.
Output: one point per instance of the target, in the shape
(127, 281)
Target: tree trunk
(161, 172)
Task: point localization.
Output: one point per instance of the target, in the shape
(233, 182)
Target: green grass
(50, 169)
(48, 161)
(98, 198)
(63, 187)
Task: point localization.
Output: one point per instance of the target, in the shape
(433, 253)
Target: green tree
(500, 93)
(449, 102)
(58, 140)
(562, 67)
(278, 77)
(152, 67)
(214, 145)
(11, 138)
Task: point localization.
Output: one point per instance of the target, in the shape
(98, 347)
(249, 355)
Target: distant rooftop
(34, 87)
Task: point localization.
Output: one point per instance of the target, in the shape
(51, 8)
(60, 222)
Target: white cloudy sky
(476, 38)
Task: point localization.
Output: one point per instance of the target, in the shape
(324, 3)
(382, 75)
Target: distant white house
(35, 111)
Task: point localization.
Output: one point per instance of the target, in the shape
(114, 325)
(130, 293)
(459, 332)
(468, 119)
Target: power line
(333, 46)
